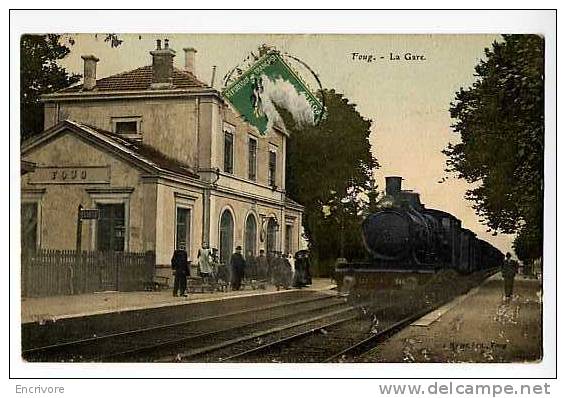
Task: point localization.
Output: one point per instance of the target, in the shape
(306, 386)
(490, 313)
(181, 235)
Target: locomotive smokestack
(392, 185)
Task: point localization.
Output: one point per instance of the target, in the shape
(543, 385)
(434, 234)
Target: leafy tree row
(500, 120)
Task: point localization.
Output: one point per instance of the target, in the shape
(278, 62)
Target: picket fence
(66, 272)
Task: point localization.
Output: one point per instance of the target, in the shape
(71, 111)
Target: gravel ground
(319, 346)
(483, 328)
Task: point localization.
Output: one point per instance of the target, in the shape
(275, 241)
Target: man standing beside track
(237, 267)
(180, 265)
(508, 271)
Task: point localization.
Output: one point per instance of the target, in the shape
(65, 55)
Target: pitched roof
(138, 152)
(26, 167)
(290, 202)
(139, 79)
(145, 152)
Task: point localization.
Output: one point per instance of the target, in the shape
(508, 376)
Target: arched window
(251, 235)
(226, 236)
(272, 228)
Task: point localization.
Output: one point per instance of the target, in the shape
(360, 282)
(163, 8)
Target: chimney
(162, 66)
(213, 76)
(89, 71)
(190, 55)
(392, 185)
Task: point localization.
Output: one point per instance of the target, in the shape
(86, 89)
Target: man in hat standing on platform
(237, 267)
(180, 265)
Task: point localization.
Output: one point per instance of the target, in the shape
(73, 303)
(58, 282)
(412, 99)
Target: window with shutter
(228, 152)
(272, 168)
(252, 159)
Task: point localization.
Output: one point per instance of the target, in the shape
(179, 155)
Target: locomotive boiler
(405, 240)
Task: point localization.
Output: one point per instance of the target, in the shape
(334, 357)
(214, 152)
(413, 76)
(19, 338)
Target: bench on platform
(255, 284)
(158, 283)
(198, 284)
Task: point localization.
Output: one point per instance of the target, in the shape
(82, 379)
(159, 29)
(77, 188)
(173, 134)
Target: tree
(500, 119)
(40, 74)
(330, 167)
(528, 243)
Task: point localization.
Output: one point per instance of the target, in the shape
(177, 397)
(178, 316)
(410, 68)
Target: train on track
(407, 242)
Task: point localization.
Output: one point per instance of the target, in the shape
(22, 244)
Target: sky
(407, 100)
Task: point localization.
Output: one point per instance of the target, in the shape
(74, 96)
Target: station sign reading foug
(70, 175)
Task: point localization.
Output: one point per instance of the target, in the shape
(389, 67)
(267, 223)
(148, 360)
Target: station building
(166, 162)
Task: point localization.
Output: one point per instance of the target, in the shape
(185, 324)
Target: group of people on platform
(283, 271)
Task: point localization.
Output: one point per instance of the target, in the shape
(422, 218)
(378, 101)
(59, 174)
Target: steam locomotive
(404, 237)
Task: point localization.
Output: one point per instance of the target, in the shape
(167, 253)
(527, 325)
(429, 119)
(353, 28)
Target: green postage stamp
(255, 94)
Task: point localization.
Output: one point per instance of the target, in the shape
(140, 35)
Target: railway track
(334, 341)
(153, 342)
(320, 329)
(294, 347)
(365, 344)
(339, 340)
(324, 328)
(220, 351)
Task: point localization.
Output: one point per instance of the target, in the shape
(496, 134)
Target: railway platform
(480, 326)
(54, 308)
(146, 326)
